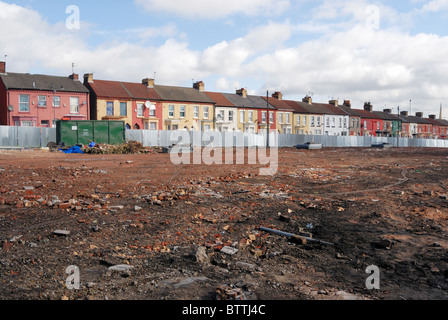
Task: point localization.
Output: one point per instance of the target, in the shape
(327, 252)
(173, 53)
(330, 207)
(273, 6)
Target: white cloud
(352, 61)
(435, 6)
(211, 9)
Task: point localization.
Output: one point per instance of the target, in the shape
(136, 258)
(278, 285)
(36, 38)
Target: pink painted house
(39, 100)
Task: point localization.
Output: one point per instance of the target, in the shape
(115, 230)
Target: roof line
(121, 83)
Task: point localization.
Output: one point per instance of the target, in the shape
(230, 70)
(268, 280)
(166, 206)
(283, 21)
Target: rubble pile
(131, 147)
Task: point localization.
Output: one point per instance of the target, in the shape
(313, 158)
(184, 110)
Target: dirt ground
(138, 227)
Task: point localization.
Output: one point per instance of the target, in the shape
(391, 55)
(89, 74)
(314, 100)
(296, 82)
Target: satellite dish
(148, 104)
(10, 108)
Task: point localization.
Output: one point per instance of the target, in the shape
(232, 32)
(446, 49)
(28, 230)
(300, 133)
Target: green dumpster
(83, 132)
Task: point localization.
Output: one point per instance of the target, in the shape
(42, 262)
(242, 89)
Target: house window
(139, 109)
(110, 108)
(206, 113)
(45, 123)
(340, 122)
(288, 119)
(305, 121)
(318, 122)
(312, 121)
(221, 115)
(152, 110)
(251, 116)
(182, 111)
(24, 103)
(153, 126)
(298, 120)
(123, 109)
(263, 117)
(196, 112)
(74, 105)
(171, 111)
(242, 116)
(27, 124)
(231, 116)
(175, 127)
(207, 126)
(42, 101)
(271, 117)
(280, 117)
(328, 122)
(345, 122)
(56, 102)
(378, 126)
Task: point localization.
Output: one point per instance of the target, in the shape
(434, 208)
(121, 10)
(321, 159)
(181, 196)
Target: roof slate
(252, 102)
(26, 81)
(219, 99)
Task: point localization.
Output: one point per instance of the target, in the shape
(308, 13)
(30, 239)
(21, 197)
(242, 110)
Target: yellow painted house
(186, 108)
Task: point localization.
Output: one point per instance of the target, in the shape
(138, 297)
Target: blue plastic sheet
(74, 149)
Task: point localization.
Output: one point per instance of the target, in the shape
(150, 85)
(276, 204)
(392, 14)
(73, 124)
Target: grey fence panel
(29, 137)
(8, 137)
(39, 137)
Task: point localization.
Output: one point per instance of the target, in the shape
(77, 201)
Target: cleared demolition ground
(140, 228)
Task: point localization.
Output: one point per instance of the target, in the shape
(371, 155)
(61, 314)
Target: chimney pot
(387, 110)
(404, 113)
(432, 116)
(419, 114)
(199, 86)
(74, 76)
(88, 77)
(242, 92)
(278, 95)
(308, 100)
(348, 103)
(368, 107)
(334, 102)
(148, 82)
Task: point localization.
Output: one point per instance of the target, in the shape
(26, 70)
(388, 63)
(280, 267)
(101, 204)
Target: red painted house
(39, 100)
(371, 124)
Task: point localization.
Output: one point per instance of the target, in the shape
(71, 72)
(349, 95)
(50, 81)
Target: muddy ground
(189, 232)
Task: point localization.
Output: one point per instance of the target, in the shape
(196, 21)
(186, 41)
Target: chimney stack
(200, 85)
(242, 92)
(334, 102)
(348, 103)
(2, 67)
(404, 113)
(278, 95)
(419, 114)
(88, 78)
(388, 111)
(148, 82)
(432, 116)
(74, 76)
(368, 107)
(308, 100)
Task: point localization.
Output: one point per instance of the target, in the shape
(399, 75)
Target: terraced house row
(41, 100)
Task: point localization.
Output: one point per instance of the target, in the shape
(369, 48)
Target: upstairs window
(74, 105)
(42, 101)
(24, 103)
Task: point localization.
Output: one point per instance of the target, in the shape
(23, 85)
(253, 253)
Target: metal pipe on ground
(301, 239)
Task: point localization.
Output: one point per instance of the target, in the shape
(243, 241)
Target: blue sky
(386, 52)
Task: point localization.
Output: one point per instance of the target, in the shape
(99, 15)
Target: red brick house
(39, 100)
